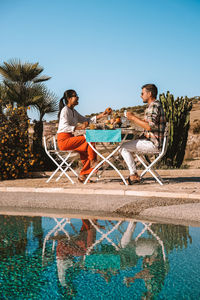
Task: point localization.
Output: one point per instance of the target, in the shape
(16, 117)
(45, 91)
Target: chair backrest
(49, 143)
(55, 142)
(45, 143)
(165, 140)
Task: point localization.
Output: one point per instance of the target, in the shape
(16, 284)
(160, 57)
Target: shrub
(16, 159)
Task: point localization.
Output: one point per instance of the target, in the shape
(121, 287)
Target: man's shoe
(133, 179)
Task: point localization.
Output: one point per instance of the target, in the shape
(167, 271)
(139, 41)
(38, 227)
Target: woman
(68, 123)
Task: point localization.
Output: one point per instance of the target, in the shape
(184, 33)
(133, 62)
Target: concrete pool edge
(14, 211)
(166, 207)
(113, 192)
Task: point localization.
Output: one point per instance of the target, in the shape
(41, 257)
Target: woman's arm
(81, 126)
(82, 119)
(107, 111)
(101, 115)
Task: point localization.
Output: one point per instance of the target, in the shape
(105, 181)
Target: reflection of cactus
(173, 236)
(178, 115)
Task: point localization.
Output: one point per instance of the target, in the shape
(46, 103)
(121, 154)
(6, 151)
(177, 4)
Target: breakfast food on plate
(118, 120)
(109, 110)
(92, 126)
(109, 126)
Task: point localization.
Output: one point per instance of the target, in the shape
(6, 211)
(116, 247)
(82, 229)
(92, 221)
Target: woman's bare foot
(82, 178)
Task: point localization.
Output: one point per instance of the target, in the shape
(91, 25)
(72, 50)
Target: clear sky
(106, 49)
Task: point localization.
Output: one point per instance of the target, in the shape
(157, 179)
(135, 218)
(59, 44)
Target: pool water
(69, 258)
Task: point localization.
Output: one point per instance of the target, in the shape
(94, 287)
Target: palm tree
(48, 102)
(23, 86)
(2, 103)
(20, 80)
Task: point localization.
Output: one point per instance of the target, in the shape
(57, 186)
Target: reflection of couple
(154, 267)
(153, 262)
(69, 250)
(76, 246)
(69, 264)
(154, 270)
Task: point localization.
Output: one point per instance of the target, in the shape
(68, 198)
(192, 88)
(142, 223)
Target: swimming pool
(69, 258)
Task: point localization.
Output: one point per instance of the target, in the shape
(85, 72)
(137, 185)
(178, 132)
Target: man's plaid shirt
(155, 116)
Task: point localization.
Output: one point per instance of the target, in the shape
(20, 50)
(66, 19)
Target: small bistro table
(116, 137)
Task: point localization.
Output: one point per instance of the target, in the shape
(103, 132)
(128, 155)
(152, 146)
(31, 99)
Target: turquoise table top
(105, 136)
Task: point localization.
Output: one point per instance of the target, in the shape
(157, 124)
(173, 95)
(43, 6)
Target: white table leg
(105, 159)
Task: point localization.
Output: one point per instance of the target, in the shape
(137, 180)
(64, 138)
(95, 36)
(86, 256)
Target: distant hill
(139, 111)
(195, 118)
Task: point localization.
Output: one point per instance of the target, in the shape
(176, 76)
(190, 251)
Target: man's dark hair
(151, 88)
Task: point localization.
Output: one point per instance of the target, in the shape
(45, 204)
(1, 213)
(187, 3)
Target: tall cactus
(178, 115)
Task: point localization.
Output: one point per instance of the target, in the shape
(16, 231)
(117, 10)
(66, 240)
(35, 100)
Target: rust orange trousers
(78, 247)
(66, 141)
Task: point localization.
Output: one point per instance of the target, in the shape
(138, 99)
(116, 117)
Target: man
(154, 126)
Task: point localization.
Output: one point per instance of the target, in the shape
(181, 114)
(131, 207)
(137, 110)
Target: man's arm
(138, 121)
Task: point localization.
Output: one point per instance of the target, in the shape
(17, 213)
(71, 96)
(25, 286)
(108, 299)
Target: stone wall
(50, 128)
(193, 147)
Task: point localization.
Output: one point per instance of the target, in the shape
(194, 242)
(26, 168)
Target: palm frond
(14, 70)
(3, 95)
(24, 86)
(41, 79)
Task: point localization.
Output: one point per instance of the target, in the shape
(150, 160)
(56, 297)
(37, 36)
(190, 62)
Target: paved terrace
(177, 201)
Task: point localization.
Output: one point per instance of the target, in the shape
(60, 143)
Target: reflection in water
(154, 262)
(174, 236)
(89, 258)
(68, 250)
(19, 272)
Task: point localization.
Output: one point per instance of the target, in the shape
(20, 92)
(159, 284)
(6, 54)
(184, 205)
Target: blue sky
(106, 49)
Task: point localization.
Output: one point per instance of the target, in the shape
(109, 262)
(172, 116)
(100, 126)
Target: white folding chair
(62, 159)
(62, 226)
(148, 165)
(103, 236)
(59, 227)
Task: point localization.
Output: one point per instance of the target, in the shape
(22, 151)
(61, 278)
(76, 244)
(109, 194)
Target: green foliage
(16, 159)
(15, 71)
(38, 149)
(48, 102)
(178, 115)
(22, 87)
(174, 236)
(21, 81)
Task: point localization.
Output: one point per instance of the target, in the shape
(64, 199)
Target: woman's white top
(69, 118)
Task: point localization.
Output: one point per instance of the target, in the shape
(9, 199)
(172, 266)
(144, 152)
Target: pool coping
(140, 201)
(107, 202)
(114, 192)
